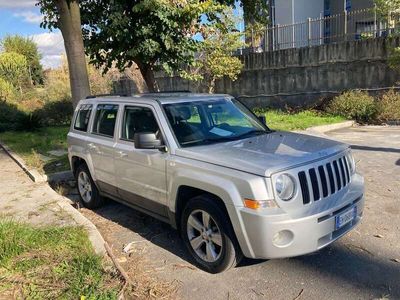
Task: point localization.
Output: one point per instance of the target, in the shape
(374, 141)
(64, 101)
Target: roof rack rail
(105, 95)
(169, 92)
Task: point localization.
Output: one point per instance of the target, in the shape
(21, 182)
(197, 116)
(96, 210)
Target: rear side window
(104, 122)
(82, 117)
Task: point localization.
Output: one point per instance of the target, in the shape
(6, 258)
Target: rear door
(101, 146)
(141, 173)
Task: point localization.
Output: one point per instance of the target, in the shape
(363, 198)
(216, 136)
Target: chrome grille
(324, 180)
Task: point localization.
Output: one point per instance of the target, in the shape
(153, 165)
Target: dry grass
(144, 284)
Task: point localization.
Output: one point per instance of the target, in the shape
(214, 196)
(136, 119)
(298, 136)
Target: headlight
(285, 187)
(351, 162)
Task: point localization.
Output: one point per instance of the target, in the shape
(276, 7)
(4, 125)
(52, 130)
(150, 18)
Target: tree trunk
(211, 86)
(70, 26)
(148, 76)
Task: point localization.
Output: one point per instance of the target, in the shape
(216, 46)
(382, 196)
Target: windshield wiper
(250, 133)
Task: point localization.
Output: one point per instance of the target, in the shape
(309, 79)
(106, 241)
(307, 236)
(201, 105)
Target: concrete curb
(331, 127)
(34, 174)
(95, 237)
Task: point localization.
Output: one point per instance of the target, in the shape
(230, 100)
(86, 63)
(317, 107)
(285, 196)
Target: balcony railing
(347, 26)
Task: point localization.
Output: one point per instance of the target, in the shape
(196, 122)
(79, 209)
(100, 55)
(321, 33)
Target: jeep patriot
(209, 167)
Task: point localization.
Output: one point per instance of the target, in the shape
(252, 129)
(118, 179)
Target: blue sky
(22, 17)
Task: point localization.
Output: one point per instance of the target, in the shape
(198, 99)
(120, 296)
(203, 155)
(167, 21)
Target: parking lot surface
(364, 264)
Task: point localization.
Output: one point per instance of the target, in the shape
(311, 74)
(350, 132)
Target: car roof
(163, 98)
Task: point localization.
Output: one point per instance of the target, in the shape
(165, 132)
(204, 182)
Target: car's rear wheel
(88, 191)
(208, 235)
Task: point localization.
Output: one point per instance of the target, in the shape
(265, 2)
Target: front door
(101, 147)
(141, 173)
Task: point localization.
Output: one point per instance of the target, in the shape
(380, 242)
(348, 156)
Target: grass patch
(279, 120)
(31, 145)
(51, 263)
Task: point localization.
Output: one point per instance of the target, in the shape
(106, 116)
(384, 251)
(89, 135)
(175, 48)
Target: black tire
(95, 200)
(229, 254)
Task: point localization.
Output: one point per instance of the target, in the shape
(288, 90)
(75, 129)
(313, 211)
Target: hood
(265, 154)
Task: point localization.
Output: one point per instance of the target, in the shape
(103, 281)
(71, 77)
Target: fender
(218, 186)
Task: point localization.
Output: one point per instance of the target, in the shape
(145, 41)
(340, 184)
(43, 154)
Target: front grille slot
(344, 179)
(338, 181)
(324, 180)
(346, 168)
(304, 187)
(314, 184)
(331, 179)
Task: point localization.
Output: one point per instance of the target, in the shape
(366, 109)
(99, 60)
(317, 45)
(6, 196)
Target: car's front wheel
(88, 191)
(208, 235)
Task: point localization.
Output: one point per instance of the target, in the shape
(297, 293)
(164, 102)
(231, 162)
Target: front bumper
(298, 236)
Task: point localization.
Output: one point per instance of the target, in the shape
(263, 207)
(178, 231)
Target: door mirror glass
(147, 140)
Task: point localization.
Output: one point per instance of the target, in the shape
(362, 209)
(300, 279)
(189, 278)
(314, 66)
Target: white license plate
(345, 218)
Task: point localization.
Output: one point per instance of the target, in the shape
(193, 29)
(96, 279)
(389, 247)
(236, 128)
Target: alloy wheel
(84, 186)
(204, 236)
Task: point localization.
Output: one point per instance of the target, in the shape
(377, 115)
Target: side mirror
(263, 119)
(147, 140)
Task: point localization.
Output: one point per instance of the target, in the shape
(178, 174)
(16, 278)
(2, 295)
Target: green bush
(10, 116)
(389, 106)
(7, 90)
(354, 105)
(55, 113)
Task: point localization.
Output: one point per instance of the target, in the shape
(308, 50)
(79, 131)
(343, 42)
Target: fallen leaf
(397, 260)
(378, 236)
(180, 266)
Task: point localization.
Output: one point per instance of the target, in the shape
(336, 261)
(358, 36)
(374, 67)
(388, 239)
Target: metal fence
(347, 26)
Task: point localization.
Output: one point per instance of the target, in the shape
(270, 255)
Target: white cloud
(51, 46)
(17, 3)
(51, 61)
(30, 17)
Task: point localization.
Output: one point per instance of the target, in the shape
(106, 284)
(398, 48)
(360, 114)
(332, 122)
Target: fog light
(283, 238)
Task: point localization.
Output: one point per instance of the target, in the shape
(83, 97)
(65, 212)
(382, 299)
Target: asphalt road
(364, 264)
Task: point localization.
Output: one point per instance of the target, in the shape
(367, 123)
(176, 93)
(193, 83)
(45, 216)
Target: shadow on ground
(349, 264)
(376, 149)
(356, 266)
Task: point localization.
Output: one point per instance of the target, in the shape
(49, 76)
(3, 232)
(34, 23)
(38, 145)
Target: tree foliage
(153, 34)
(215, 58)
(28, 48)
(7, 90)
(13, 68)
(385, 7)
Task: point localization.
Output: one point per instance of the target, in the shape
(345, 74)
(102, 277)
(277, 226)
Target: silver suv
(209, 167)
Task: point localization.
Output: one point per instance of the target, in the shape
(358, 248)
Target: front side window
(104, 122)
(82, 117)
(212, 121)
(138, 120)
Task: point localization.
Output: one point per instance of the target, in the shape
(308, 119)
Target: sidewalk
(23, 200)
(37, 204)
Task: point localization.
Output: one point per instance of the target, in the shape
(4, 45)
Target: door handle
(122, 154)
(92, 146)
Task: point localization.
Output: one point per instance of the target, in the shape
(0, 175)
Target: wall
(304, 9)
(283, 12)
(302, 77)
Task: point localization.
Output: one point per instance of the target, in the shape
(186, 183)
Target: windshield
(212, 121)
